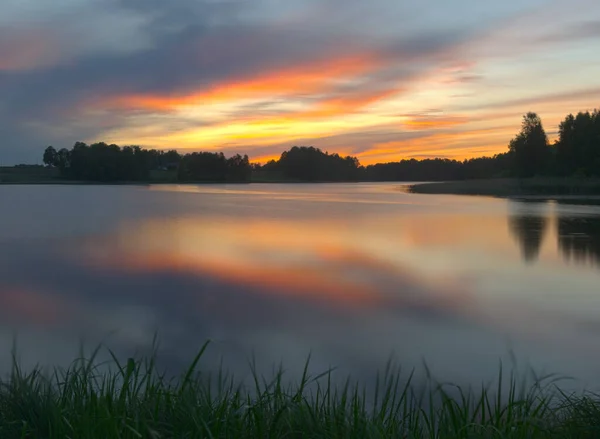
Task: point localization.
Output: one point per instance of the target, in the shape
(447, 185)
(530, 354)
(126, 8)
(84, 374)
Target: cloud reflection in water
(439, 279)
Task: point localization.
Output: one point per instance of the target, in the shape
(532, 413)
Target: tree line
(111, 163)
(576, 152)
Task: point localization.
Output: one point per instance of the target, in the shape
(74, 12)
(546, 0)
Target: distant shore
(538, 187)
(531, 188)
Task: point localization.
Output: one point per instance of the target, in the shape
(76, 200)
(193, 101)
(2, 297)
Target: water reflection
(579, 239)
(315, 262)
(577, 232)
(140, 281)
(529, 228)
(283, 271)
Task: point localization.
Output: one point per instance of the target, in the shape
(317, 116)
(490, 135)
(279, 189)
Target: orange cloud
(350, 102)
(434, 122)
(317, 77)
(324, 102)
(310, 100)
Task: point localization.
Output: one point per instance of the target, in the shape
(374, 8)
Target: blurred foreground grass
(90, 399)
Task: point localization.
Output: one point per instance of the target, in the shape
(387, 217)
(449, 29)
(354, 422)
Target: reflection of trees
(578, 235)
(529, 231)
(579, 238)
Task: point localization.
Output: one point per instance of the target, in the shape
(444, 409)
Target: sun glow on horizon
(351, 105)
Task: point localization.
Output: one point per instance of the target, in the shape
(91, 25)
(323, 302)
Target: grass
(134, 400)
(45, 175)
(28, 174)
(508, 187)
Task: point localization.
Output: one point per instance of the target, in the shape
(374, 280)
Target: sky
(381, 80)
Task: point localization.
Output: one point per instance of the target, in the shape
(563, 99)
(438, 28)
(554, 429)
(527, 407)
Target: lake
(354, 274)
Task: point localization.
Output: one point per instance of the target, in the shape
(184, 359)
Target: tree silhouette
(63, 159)
(50, 156)
(530, 149)
(306, 163)
(214, 167)
(578, 145)
(577, 151)
(439, 169)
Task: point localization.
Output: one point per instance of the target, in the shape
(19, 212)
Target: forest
(576, 152)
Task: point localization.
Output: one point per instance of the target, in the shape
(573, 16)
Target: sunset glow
(439, 85)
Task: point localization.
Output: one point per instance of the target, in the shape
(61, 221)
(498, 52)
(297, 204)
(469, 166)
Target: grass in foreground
(135, 401)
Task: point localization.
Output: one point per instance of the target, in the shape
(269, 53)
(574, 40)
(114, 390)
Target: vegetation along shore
(555, 187)
(531, 165)
(134, 400)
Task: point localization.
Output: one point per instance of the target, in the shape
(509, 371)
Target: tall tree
(565, 147)
(530, 149)
(50, 156)
(578, 146)
(63, 158)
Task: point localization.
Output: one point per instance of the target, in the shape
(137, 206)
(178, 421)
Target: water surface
(350, 272)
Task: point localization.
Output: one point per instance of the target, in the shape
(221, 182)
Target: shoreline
(538, 188)
(534, 188)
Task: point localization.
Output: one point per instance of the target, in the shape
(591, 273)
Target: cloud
(537, 28)
(23, 50)
(579, 97)
(457, 143)
(192, 52)
(219, 67)
(418, 122)
(234, 64)
(289, 81)
(588, 29)
(211, 74)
